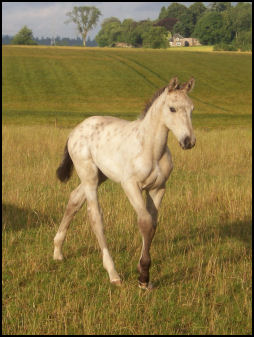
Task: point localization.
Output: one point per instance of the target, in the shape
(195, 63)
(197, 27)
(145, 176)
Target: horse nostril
(187, 142)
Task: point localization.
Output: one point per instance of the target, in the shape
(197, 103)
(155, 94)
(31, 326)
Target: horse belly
(116, 157)
(109, 161)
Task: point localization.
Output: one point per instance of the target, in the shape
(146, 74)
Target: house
(121, 45)
(179, 41)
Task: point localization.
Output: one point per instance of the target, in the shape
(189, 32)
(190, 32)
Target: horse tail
(64, 170)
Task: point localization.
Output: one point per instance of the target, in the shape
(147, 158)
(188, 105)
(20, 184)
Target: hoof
(117, 283)
(146, 286)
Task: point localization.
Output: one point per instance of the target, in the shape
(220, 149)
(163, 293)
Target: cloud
(42, 19)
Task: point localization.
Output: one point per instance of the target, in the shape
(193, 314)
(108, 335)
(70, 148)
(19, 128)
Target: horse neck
(155, 131)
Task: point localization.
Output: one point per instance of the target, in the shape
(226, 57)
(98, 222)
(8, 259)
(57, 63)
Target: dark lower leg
(144, 266)
(147, 227)
(147, 230)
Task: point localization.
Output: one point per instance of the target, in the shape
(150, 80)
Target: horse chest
(154, 179)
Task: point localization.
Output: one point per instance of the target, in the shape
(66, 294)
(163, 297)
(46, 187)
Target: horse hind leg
(92, 177)
(76, 200)
(96, 221)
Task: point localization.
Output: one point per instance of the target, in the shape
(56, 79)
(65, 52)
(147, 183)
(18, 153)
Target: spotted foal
(132, 153)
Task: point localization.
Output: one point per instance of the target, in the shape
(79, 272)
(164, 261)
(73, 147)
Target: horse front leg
(147, 218)
(153, 201)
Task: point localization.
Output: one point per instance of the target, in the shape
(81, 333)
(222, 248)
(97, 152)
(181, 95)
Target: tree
(209, 28)
(6, 39)
(85, 18)
(112, 31)
(140, 33)
(155, 37)
(185, 25)
(187, 21)
(109, 33)
(242, 17)
(163, 13)
(167, 23)
(219, 6)
(24, 36)
(108, 21)
(175, 10)
(196, 10)
(244, 41)
(127, 27)
(228, 26)
(236, 20)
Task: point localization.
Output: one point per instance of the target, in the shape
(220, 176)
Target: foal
(134, 154)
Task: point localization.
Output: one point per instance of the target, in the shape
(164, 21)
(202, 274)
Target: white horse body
(134, 154)
(129, 156)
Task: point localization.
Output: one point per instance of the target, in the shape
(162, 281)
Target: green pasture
(202, 250)
(63, 86)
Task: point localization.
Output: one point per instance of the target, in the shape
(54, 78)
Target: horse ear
(188, 86)
(173, 84)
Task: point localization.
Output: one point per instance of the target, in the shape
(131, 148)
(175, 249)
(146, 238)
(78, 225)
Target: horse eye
(172, 109)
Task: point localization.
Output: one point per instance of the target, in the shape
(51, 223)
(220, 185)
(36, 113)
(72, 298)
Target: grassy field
(202, 252)
(193, 48)
(65, 85)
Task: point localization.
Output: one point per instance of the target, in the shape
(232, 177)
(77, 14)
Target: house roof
(178, 35)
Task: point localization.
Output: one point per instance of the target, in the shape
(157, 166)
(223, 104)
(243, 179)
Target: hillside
(44, 83)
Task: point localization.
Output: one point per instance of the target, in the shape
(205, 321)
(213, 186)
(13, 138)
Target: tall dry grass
(201, 254)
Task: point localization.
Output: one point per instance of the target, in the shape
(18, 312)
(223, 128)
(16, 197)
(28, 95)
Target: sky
(47, 19)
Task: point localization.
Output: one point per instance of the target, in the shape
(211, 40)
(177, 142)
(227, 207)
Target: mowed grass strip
(201, 252)
(73, 82)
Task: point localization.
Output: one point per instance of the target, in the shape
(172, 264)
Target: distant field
(194, 48)
(203, 49)
(64, 85)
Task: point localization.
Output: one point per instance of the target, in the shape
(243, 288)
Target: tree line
(25, 36)
(221, 24)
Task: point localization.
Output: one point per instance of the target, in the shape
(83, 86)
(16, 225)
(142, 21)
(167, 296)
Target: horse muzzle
(188, 143)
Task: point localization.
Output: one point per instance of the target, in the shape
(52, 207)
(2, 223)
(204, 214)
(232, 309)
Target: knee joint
(145, 220)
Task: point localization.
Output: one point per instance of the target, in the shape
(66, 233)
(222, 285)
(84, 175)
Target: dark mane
(150, 102)
(156, 95)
